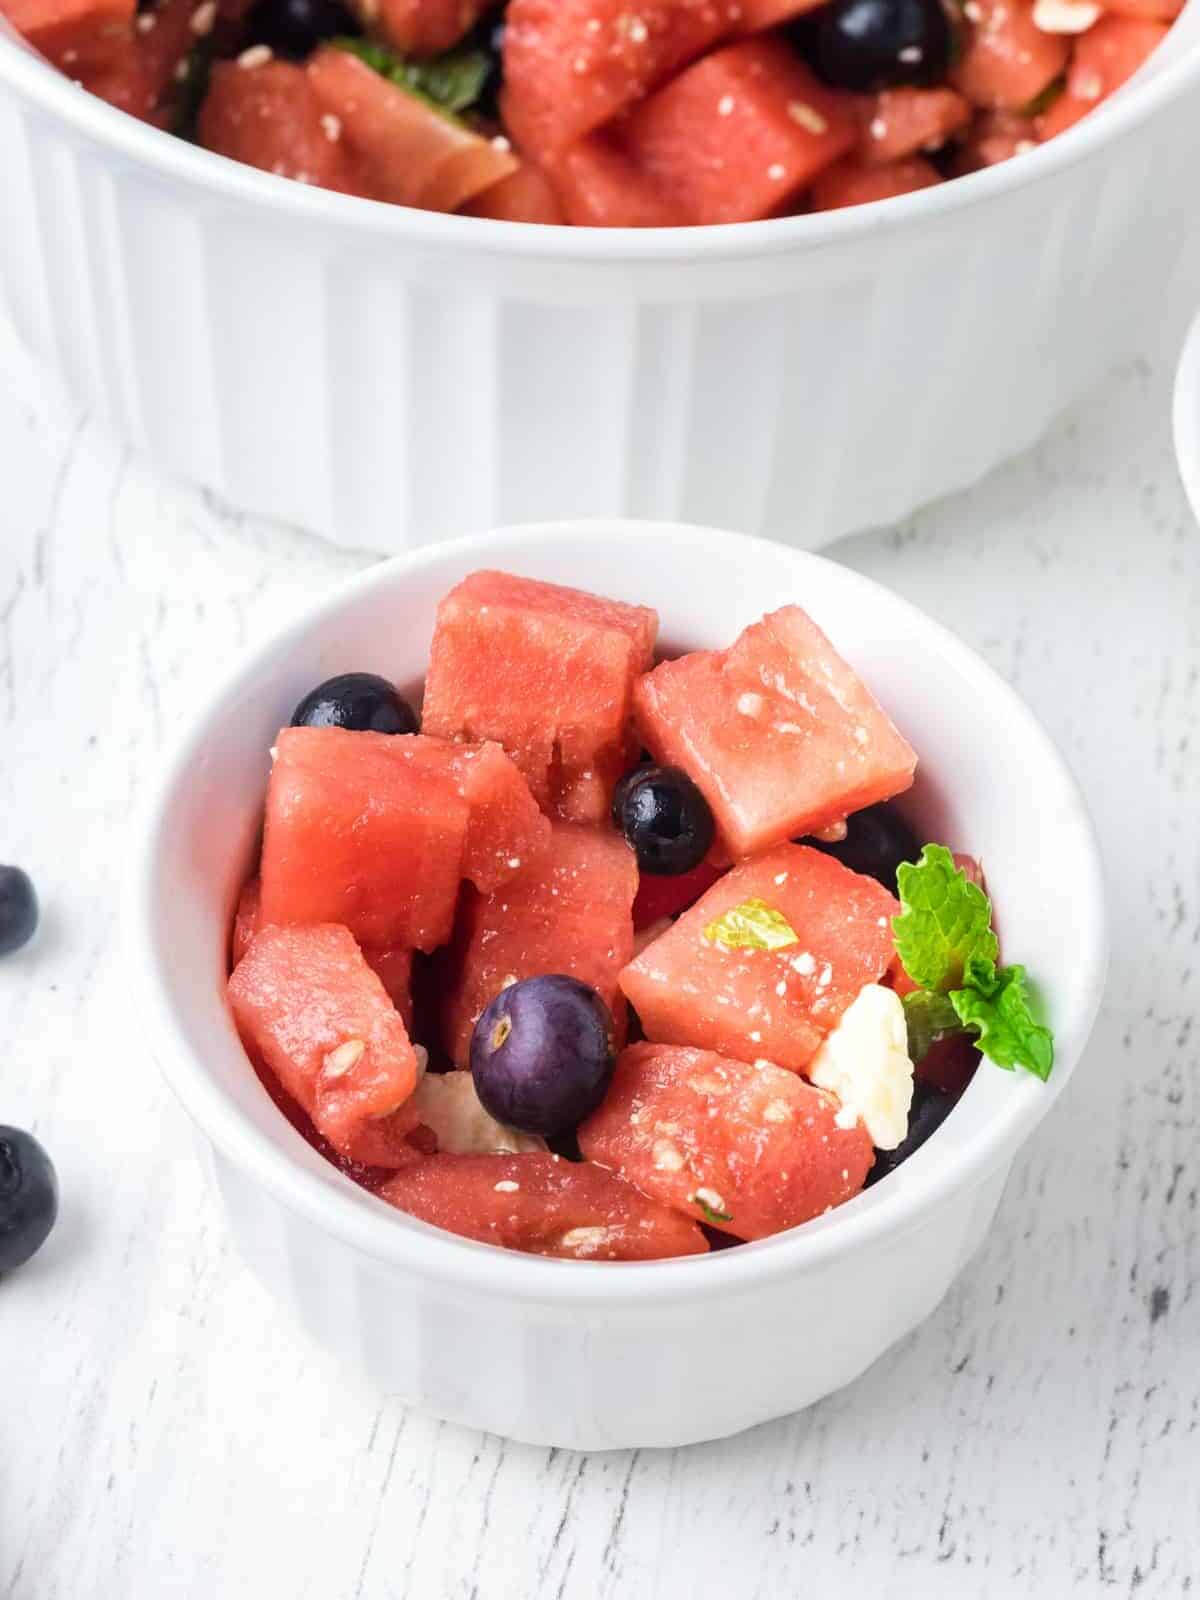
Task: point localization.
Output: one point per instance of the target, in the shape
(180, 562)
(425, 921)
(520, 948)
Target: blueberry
(18, 909)
(930, 1108)
(28, 1198)
(294, 28)
(542, 1054)
(872, 44)
(878, 840)
(358, 700)
(665, 818)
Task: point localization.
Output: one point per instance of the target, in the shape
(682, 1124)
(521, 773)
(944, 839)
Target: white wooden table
(164, 1433)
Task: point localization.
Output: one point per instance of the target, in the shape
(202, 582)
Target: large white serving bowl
(388, 376)
(587, 1354)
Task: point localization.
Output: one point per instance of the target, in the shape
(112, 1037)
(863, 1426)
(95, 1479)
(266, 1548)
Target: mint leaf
(944, 921)
(710, 1203)
(1045, 99)
(753, 925)
(997, 1005)
(451, 83)
(930, 1018)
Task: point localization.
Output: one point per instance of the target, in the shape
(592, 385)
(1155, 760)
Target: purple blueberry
(28, 1198)
(542, 1054)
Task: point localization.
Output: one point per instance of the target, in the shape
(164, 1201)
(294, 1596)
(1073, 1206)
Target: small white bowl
(591, 1355)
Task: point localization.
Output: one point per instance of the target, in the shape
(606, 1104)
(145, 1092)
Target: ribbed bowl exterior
(628, 1379)
(385, 392)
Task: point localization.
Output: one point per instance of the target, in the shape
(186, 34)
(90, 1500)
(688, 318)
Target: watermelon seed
(340, 1060)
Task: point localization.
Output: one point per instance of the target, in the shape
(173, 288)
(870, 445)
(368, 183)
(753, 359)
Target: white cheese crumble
(447, 1103)
(1065, 16)
(864, 1062)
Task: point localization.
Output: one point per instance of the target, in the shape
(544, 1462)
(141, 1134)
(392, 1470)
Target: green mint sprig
(946, 944)
(451, 82)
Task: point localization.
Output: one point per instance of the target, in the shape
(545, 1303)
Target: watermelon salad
(605, 113)
(605, 956)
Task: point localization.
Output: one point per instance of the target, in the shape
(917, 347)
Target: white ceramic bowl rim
(175, 157)
(373, 1227)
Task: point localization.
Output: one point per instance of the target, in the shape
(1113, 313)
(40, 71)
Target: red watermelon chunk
(571, 65)
(994, 136)
(422, 27)
(506, 832)
(1007, 59)
(58, 27)
(758, 15)
(772, 1004)
(600, 186)
(411, 153)
(904, 122)
(1105, 57)
(548, 673)
(778, 732)
(392, 964)
(269, 117)
(526, 196)
(736, 136)
(357, 834)
(660, 897)
(750, 1150)
(854, 182)
(543, 1206)
(308, 1005)
(571, 913)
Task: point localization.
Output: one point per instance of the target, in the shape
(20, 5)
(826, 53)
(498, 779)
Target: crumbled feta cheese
(256, 56)
(750, 705)
(506, 1186)
(864, 1062)
(667, 1156)
(1065, 16)
(584, 1241)
(446, 1103)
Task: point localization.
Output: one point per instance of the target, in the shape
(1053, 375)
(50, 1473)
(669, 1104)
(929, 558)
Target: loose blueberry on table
(726, 981)
(18, 909)
(28, 1198)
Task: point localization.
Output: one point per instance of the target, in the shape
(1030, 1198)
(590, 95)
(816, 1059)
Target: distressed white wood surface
(164, 1433)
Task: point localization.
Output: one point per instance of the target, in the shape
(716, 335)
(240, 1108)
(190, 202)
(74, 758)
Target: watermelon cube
(600, 186)
(1105, 57)
(269, 117)
(750, 1150)
(505, 830)
(548, 673)
(309, 1007)
(411, 153)
(357, 834)
(392, 964)
(1007, 60)
(736, 136)
(854, 182)
(571, 65)
(58, 27)
(543, 1206)
(425, 27)
(699, 986)
(906, 121)
(526, 196)
(778, 732)
(571, 913)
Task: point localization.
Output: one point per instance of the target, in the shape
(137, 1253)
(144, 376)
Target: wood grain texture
(163, 1432)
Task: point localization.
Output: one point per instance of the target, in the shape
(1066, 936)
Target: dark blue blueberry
(28, 1198)
(873, 44)
(358, 700)
(877, 841)
(665, 818)
(542, 1054)
(930, 1108)
(18, 909)
(294, 28)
